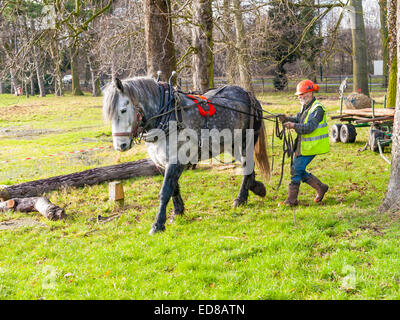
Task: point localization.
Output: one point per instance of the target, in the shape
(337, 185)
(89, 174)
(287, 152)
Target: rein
(287, 148)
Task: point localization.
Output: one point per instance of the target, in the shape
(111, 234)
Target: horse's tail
(260, 153)
(260, 148)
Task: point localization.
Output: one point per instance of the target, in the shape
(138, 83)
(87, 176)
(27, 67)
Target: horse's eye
(123, 110)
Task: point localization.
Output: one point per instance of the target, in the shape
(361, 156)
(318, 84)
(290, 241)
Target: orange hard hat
(306, 86)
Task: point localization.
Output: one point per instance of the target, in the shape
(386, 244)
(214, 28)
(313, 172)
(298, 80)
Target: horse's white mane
(138, 89)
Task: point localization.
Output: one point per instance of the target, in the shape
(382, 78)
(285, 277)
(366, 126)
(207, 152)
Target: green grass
(340, 249)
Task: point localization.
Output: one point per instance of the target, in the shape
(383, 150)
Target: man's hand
(289, 125)
(282, 118)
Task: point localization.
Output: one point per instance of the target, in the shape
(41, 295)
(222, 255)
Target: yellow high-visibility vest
(316, 142)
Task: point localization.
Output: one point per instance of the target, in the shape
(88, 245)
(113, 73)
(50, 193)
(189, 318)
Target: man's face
(305, 98)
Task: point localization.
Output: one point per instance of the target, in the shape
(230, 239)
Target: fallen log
(121, 171)
(34, 204)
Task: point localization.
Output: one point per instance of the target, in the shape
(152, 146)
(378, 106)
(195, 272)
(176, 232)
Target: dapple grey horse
(143, 107)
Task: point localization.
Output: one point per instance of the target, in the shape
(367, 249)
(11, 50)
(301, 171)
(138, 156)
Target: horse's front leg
(179, 206)
(171, 177)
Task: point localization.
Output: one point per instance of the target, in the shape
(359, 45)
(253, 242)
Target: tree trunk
(391, 203)
(160, 49)
(230, 63)
(94, 77)
(76, 86)
(39, 73)
(392, 32)
(313, 73)
(241, 50)
(32, 84)
(35, 204)
(202, 43)
(57, 61)
(26, 88)
(384, 39)
(1, 87)
(79, 179)
(36, 60)
(360, 62)
(14, 83)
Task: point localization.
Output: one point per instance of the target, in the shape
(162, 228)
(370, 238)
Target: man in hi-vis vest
(312, 139)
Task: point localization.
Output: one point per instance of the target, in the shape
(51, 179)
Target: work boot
(319, 186)
(293, 192)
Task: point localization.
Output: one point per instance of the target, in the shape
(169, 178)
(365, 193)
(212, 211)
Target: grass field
(339, 249)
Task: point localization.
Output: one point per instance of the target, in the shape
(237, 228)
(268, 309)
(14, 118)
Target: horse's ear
(119, 85)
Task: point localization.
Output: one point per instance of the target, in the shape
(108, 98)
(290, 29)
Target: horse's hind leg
(243, 192)
(248, 183)
(258, 188)
(171, 177)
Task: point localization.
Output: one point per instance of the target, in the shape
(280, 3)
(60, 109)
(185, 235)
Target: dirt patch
(9, 113)
(20, 223)
(25, 134)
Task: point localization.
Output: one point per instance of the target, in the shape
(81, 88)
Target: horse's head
(121, 107)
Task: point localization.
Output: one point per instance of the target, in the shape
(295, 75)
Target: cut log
(346, 117)
(34, 204)
(378, 119)
(79, 179)
(379, 112)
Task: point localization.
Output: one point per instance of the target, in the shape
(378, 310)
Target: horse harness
(170, 104)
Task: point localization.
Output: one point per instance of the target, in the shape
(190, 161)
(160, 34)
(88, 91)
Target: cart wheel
(374, 135)
(335, 132)
(348, 133)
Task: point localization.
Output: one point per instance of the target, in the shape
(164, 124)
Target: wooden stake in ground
(116, 192)
(89, 177)
(34, 204)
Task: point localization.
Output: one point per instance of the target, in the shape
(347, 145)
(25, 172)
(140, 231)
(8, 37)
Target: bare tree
(160, 49)
(202, 43)
(36, 55)
(360, 67)
(391, 203)
(241, 49)
(392, 31)
(384, 39)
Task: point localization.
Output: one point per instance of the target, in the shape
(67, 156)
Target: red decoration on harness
(203, 112)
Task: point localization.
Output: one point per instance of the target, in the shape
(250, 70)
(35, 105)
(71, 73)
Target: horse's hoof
(172, 219)
(238, 202)
(258, 189)
(174, 215)
(154, 230)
